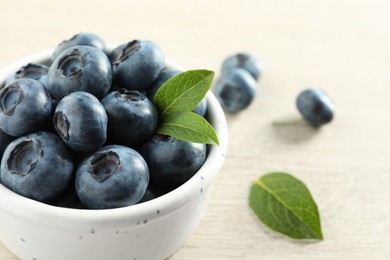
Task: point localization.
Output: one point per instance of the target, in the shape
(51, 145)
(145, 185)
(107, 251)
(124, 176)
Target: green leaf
(284, 204)
(183, 92)
(188, 126)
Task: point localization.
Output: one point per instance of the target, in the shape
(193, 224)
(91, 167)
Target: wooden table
(341, 46)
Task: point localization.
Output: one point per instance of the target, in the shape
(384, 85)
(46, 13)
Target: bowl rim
(17, 205)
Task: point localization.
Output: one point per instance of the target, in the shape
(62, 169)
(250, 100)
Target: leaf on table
(284, 204)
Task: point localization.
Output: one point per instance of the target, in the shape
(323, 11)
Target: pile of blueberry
(81, 132)
(236, 87)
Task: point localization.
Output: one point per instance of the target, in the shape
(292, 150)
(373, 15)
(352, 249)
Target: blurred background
(340, 46)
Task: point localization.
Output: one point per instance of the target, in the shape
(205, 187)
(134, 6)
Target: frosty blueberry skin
(243, 60)
(81, 122)
(112, 177)
(38, 166)
(315, 106)
(137, 64)
(30, 71)
(5, 140)
(172, 161)
(84, 39)
(132, 117)
(235, 91)
(80, 68)
(25, 106)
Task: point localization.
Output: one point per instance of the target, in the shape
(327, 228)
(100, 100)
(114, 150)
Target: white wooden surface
(341, 46)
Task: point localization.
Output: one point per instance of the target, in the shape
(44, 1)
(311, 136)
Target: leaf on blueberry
(176, 99)
(183, 92)
(284, 204)
(189, 125)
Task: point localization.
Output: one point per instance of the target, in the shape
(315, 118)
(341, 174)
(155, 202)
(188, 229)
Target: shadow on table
(298, 133)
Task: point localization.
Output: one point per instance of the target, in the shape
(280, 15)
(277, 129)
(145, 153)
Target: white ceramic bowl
(146, 231)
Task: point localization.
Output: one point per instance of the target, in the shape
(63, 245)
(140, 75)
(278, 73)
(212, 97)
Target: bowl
(150, 230)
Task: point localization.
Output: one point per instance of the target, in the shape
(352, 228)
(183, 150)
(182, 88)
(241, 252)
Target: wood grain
(341, 46)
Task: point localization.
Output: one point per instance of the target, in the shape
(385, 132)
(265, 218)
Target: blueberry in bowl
(132, 117)
(25, 106)
(39, 230)
(80, 68)
(81, 122)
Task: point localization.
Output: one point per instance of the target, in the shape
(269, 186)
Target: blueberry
(68, 198)
(25, 106)
(114, 176)
(154, 191)
(162, 78)
(30, 71)
(132, 117)
(315, 106)
(37, 166)
(84, 39)
(244, 61)
(137, 64)
(5, 139)
(116, 52)
(235, 91)
(172, 161)
(81, 122)
(80, 68)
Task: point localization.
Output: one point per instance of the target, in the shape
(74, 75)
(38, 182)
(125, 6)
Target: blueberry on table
(132, 117)
(236, 90)
(243, 60)
(137, 64)
(315, 106)
(25, 106)
(37, 166)
(30, 71)
(112, 177)
(80, 68)
(84, 39)
(81, 122)
(172, 161)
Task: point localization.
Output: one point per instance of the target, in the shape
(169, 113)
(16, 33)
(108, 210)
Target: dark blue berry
(37, 166)
(30, 71)
(81, 122)
(172, 161)
(315, 106)
(132, 117)
(114, 176)
(5, 139)
(236, 90)
(80, 68)
(244, 61)
(84, 39)
(25, 106)
(137, 64)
